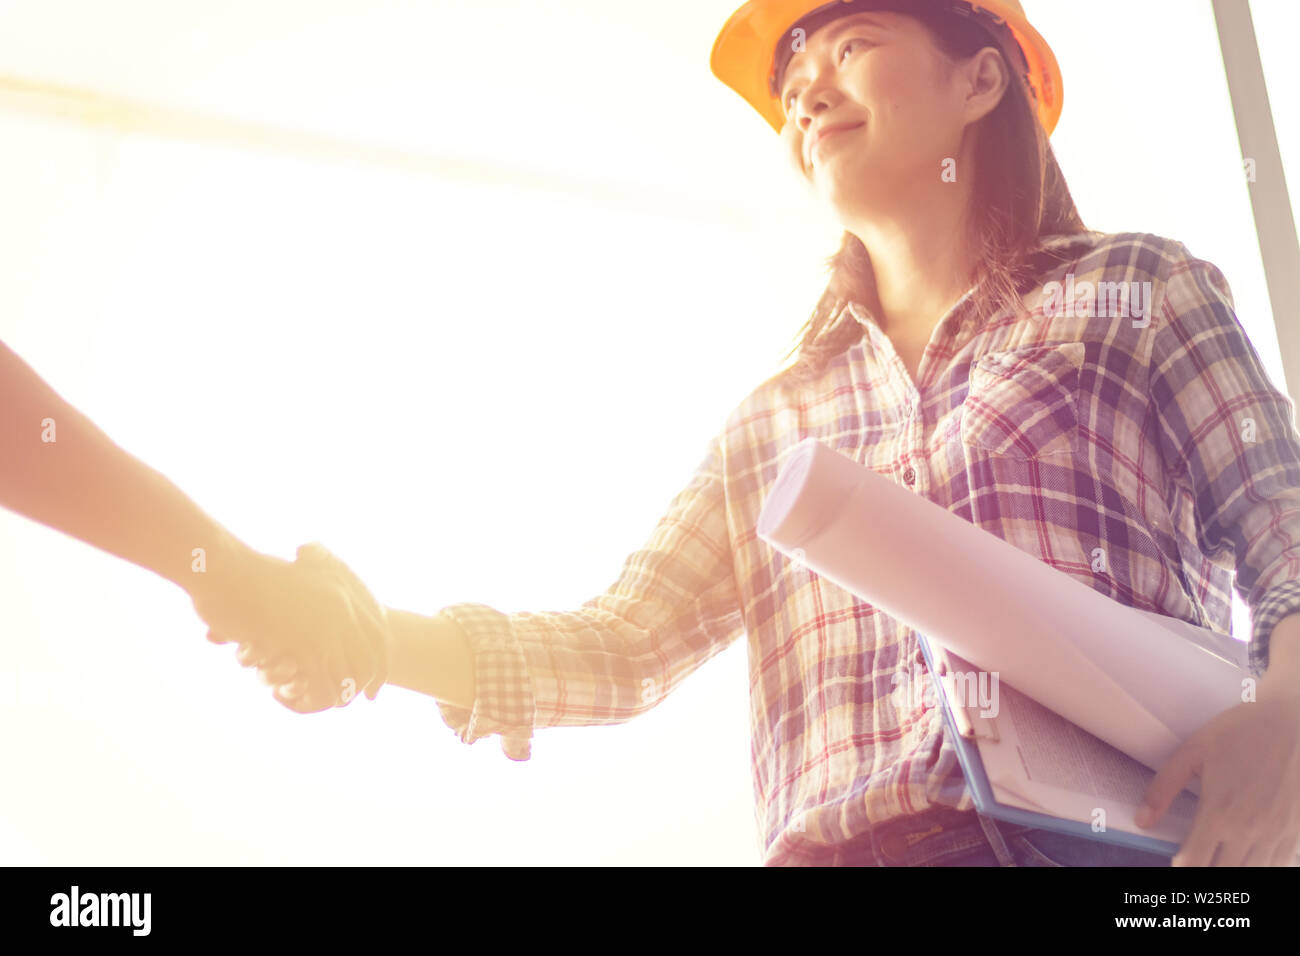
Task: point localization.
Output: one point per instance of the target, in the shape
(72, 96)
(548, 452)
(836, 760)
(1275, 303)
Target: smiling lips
(823, 133)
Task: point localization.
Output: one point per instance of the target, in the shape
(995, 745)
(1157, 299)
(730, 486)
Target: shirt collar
(1057, 243)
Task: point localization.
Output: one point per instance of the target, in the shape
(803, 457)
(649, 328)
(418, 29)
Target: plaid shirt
(1062, 427)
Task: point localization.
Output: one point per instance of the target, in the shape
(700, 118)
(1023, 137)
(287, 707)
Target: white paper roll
(1139, 681)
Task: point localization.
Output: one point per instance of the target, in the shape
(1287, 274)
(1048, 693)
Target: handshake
(310, 626)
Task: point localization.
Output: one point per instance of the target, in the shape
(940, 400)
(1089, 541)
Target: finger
(363, 640)
(1262, 853)
(1233, 851)
(216, 638)
(313, 552)
(361, 665)
(280, 672)
(304, 696)
(346, 661)
(322, 697)
(347, 679)
(263, 654)
(1202, 839)
(1169, 781)
(250, 654)
(1285, 852)
(299, 704)
(269, 658)
(357, 663)
(320, 675)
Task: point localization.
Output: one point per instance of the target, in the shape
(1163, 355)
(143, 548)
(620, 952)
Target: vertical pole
(1269, 200)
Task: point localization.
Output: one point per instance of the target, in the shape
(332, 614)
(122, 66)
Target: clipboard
(967, 726)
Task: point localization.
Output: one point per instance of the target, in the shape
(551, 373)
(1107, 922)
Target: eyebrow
(843, 25)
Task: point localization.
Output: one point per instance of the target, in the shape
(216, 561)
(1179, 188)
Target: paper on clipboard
(1139, 681)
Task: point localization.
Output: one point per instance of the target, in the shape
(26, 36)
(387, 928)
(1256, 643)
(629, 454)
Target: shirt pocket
(1023, 403)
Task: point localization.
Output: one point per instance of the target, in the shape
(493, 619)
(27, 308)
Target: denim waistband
(946, 817)
(905, 836)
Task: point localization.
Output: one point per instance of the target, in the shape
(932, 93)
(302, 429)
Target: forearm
(60, 469)
(433, 656)
(1282, 678)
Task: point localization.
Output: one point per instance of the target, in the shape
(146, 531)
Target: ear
(984, 80)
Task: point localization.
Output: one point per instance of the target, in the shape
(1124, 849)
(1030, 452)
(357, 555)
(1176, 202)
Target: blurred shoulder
(1128, 255)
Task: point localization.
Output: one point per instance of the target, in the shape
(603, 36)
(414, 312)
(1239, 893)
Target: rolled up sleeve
(673, 606)
(503, 692)
(1229, 436)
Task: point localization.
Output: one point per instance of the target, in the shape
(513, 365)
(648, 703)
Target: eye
(790, 94)
(844, 48)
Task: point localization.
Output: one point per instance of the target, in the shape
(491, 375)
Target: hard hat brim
(742, 54)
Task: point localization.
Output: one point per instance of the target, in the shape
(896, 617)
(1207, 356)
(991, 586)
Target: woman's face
(879, 75)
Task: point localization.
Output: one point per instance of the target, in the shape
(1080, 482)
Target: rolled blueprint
(1140, 681)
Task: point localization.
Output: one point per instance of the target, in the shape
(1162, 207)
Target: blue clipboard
(972, 766)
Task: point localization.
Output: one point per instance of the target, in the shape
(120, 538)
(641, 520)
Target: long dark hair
(1018, 195)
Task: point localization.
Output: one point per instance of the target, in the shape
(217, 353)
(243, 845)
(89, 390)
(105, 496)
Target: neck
(921, 259)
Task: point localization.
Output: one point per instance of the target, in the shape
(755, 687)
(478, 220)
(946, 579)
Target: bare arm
(58, 468)
(432, 655)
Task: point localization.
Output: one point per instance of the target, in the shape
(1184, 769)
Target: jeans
(945, 837)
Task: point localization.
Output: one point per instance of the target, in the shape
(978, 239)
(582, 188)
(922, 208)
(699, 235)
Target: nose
(813, 100)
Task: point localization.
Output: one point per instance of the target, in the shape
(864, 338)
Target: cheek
(886, 88)
(906, 118)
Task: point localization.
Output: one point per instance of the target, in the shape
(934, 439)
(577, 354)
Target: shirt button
(909, 475)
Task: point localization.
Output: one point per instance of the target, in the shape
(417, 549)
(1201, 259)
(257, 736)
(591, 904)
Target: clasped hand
(310, 626)
(1248, 761)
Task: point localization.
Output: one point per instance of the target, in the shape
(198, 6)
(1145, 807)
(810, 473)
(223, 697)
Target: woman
(943, 355)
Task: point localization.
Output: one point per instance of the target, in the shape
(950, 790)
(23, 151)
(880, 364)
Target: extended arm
(673, 606)
(57, 467)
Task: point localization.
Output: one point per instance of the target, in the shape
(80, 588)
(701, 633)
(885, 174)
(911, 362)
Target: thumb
(314, 553)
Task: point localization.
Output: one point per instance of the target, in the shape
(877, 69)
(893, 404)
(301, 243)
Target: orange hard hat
(744, 54)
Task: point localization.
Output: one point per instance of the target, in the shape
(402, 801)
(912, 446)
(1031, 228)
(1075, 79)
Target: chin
(839, 187)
